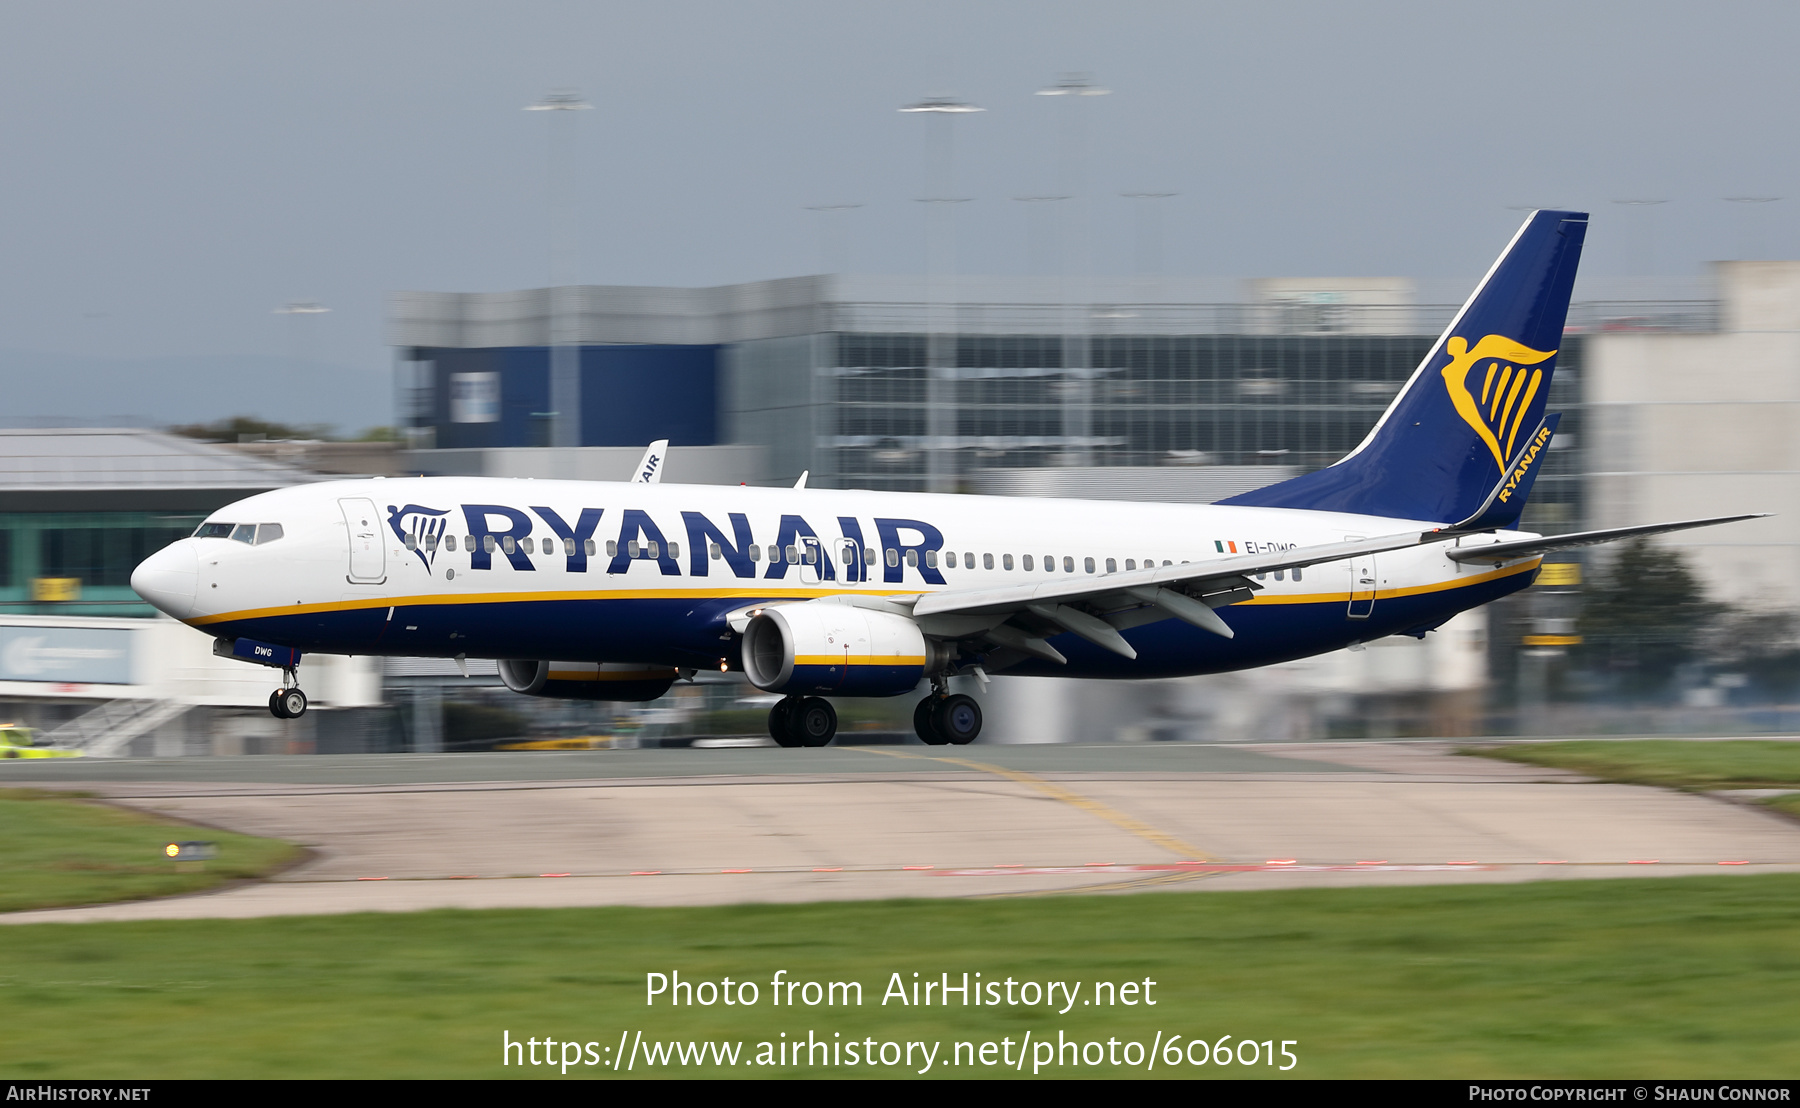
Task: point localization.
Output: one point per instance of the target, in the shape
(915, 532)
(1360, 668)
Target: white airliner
(613, 591)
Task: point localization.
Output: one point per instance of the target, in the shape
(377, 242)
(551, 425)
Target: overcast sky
(171, 173)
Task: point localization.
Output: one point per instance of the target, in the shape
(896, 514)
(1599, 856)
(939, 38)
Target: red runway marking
(1743, 863)
(1282, 861)
(1643, 861)
(734, 871)
(645, 872)
(1009, 865)
(828, 869)
(371, 879)
(553, 875)
(1562, 862)
(1382, 862)
(1469, 862)
(1099, 863)
(918, 867)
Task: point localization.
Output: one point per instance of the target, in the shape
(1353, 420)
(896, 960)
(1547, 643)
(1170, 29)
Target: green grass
(1788, 805)
(1671, 763)
(1681, 977)
(58, 850)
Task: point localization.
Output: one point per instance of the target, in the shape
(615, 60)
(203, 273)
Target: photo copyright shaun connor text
(808, 1046)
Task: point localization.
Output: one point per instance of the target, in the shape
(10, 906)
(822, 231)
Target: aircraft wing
(1020, 617)
(1522, 548)
(1023, 617)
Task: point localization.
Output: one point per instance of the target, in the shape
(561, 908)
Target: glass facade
(1148, 400)
(98, 549)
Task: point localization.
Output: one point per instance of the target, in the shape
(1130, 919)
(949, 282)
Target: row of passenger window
(1068, 563)
(507, 544)
(793, 555)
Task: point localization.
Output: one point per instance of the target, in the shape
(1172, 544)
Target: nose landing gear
(288, 702)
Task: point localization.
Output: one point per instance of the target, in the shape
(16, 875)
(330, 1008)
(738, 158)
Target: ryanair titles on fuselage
(501, 529)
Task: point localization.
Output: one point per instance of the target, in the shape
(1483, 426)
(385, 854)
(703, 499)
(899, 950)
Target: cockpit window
(214, 530)
(245, 533)
(268, 532)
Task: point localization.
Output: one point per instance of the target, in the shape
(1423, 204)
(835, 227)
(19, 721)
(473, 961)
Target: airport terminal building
(1172, 388)
(1676, 394)
(1180, 389)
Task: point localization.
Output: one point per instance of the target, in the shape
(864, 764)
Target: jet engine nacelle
(837, 650)
(586, 680)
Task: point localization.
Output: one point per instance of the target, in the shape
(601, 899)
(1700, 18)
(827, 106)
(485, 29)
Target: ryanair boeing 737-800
(613, 591)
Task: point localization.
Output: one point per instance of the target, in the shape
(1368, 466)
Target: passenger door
(1362, 583)
(815, 561)
(368, 551)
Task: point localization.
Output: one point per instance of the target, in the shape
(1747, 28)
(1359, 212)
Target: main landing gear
(944, 720)
(288, 702)
(802, 721)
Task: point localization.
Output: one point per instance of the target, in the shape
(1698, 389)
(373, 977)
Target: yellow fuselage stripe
(782, 594)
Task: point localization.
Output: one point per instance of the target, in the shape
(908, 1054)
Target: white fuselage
(613, 572)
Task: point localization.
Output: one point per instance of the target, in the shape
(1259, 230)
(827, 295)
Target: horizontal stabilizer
(1524, 548)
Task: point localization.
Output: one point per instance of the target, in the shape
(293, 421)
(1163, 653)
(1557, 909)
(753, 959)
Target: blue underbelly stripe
(686, 631)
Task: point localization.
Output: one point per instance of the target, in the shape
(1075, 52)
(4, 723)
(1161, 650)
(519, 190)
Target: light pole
(833, 253)
(565, 338)
(1042, 245)
(300, 333)
(1646, 234)
(1077, 397)
(1149, 231)
(1747, 207)
(940, 270)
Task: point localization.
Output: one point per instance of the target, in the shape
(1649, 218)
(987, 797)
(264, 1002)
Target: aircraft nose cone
(169, 578)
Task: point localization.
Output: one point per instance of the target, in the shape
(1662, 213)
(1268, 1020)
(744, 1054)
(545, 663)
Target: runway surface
(686, 827)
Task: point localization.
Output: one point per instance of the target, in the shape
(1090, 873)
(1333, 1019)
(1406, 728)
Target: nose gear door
(368, 552)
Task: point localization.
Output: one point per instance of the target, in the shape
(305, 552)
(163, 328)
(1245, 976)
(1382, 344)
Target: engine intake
(837, 650)
(586, 680)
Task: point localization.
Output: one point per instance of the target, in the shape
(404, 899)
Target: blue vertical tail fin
(1473, 407)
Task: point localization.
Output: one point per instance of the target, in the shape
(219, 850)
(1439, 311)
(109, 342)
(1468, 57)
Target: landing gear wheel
(957, 718)
(923, 725)
(275, 705)
(814, 722)
(781, 721)
(293, 703)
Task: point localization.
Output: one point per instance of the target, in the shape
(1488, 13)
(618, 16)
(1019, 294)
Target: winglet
(804, 474)
(649, 470)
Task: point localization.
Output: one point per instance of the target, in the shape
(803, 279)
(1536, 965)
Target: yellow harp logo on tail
(1495, 401)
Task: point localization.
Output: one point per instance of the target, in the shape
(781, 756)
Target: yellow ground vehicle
(21, 742)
